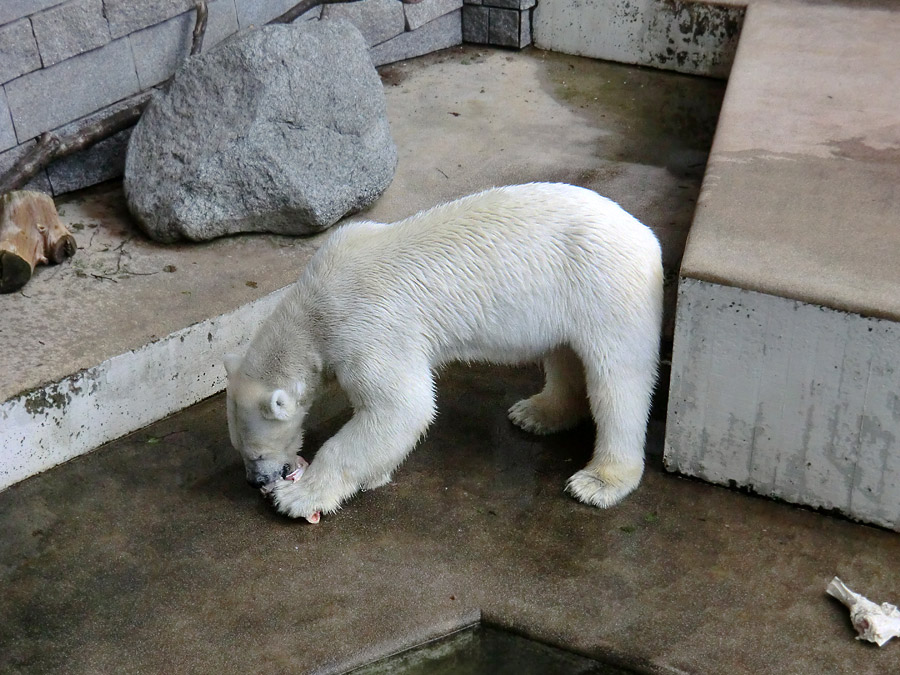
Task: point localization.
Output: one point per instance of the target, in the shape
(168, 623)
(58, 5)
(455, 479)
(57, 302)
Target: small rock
(281, 129)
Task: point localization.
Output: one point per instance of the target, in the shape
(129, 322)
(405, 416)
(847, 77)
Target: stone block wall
(63, 63)
(501, 23)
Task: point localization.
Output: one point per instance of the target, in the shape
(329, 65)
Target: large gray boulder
(281, 129)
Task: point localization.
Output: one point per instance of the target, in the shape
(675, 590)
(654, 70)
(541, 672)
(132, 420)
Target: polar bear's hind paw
(542, 415)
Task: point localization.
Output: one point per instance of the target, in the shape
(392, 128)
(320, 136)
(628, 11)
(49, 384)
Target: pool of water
(483, 650)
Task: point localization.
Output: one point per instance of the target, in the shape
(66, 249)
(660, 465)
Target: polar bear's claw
(541, 415)
(606, 489)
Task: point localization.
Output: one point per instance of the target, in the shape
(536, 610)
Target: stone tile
(221, 23)
(256, 13)
(159, 50)
(10, 10)
(475, 24)
(19, 50)
(127, 16)
(11, 156)
(441, 33)
(51, 97)
(70, 29)
(504, 27)
(7, 133)
(419, 14)
(512, 4)
(100, 162)
(377, 20)
(525, 38)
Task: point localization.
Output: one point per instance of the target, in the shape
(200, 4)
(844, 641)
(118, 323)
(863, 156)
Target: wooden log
(30, 234)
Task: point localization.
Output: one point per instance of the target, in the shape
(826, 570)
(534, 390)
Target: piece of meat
(295, 475)
(301, 467)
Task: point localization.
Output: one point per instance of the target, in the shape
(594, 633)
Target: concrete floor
(152, 555)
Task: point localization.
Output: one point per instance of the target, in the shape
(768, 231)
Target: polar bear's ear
(232, 363)
(281, 405)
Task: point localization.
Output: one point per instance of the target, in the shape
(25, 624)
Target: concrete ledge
(799, 198)
(53, 424)
(788, 399)
(787, 333)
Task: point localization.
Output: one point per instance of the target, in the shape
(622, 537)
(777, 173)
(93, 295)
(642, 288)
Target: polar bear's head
(265, 423)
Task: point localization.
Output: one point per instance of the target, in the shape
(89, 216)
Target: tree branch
(199, 26)
(51, 147)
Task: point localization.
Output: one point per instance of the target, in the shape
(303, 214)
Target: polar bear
(538, 272)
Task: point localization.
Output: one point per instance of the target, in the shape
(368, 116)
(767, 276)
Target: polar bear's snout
(260, 473)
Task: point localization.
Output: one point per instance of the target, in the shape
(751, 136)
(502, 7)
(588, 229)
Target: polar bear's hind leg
(620, 387)
(562, 403)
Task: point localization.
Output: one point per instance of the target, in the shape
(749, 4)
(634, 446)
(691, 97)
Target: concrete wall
(688, 36)
(789, 399)
(64, 62)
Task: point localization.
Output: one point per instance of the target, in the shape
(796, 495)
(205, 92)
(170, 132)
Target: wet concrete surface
(153, 555)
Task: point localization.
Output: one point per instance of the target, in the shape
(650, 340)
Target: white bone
(875, 623)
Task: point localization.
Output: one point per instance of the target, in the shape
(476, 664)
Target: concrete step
(130, 331)
(787, 341)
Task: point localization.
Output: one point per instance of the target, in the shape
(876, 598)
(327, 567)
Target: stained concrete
(787, 399)
(152, 553)
(464, 119)
(694, 36)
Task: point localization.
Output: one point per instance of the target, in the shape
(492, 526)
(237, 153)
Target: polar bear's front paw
(605, 486)
(542, 414)
(296, 500)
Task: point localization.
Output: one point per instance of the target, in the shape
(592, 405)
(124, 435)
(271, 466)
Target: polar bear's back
(474, 273)
(545, 220)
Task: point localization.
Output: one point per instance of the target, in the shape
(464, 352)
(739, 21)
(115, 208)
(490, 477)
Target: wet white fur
(523, 273)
